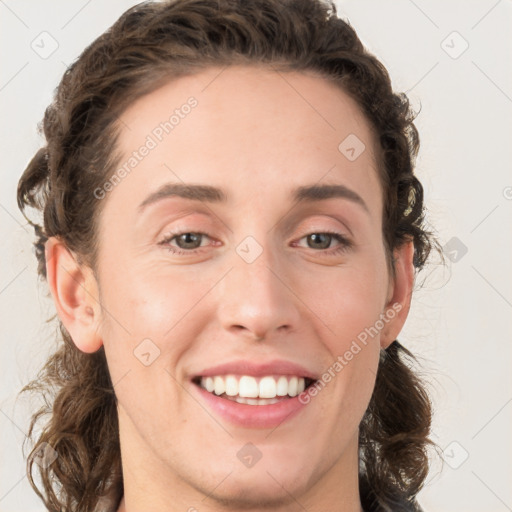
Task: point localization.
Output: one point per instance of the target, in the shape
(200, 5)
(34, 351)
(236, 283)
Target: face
(243, 278)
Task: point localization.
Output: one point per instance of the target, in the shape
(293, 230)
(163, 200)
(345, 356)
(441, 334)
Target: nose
(256, 300)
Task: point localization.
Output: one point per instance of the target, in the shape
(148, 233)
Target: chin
(266, 484)
(258, 490)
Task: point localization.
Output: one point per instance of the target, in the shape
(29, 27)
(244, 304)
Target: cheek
(348, 308)
(347, 300)
(151, 312)
(150, 326)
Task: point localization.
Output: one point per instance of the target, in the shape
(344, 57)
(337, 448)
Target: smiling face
(281, 260)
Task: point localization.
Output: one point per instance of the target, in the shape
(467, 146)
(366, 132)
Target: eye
(187, 242)
(322, 241)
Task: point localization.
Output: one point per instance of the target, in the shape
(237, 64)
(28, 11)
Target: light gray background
(460, 323)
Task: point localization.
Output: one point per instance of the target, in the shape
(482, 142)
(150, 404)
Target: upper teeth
(252, 387)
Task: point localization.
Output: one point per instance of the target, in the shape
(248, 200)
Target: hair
(149, 45)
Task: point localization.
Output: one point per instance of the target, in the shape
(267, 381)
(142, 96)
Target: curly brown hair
(149, 45)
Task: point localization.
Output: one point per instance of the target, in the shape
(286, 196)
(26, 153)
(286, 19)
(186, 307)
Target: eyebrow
(210, 194)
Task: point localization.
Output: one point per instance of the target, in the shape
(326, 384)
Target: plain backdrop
(454, 61)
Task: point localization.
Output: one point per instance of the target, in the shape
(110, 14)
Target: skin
(258, 134)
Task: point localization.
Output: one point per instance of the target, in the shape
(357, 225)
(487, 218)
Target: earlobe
(75, 295)
(400, 293)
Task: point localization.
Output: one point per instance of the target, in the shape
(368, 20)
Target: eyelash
(345, 243)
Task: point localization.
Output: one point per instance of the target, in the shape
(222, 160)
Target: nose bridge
(253, 295)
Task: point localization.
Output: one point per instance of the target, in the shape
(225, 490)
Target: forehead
(237, 96)
(248, 128)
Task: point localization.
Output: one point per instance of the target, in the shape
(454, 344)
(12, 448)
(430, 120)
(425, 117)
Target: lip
(274, 367)
(253, 416)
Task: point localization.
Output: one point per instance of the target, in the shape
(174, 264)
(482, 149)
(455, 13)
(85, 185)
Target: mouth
(256, 391)
(251, 394)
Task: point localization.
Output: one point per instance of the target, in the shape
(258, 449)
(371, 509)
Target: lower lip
(253, 416)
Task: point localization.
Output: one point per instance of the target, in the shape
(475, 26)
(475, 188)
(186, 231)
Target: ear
(399, 295)
(75, 293)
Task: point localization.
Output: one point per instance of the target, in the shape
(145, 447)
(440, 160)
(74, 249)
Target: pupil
(318, 237)
(186, 238)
